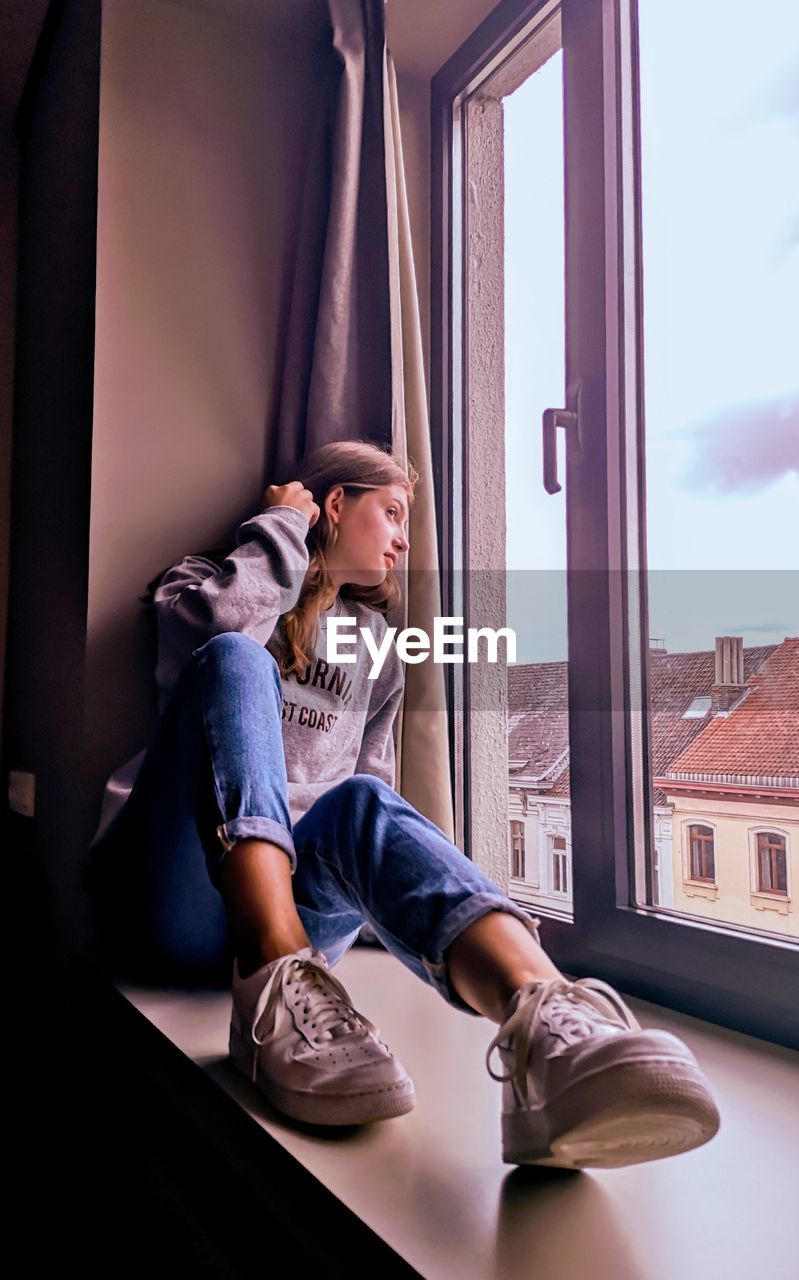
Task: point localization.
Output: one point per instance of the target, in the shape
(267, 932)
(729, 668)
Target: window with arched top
(517, 848)
(701, 853)
(559, 864)
(771, 862)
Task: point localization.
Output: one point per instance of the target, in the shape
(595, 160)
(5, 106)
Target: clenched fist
(294, 495)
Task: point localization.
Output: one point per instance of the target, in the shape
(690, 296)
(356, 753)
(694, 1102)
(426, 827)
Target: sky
(720, 192)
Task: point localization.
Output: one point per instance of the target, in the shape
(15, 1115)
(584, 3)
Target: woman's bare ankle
(254, 955)
(256, 887)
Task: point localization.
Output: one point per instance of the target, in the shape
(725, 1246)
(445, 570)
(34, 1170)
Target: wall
(196, 210)
(8, 237)
(57, 124)
(203, 121)
(205, 106)
(20, 27)
(732, 898)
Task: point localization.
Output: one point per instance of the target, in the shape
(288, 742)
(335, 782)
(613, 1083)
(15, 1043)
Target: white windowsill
(433, 1185)
(764, 901)
(698, 889)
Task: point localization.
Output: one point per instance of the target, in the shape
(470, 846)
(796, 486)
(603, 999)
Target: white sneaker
(314, 1057)
(587, 1087)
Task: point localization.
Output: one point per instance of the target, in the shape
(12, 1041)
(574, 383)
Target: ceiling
(423, 34)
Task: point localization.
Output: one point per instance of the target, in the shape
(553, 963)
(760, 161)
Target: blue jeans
(215, 773)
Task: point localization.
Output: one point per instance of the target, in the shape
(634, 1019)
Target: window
(702, 864)
(772, 865)
(698, 708)
(715, 368)
(559, 864)
(572, 428)
(517, 848)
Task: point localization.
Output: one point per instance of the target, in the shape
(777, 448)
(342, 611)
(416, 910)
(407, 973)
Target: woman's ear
(334, 501)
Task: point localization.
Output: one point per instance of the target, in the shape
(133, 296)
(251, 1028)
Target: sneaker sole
(586, 1127)
(328, 1108)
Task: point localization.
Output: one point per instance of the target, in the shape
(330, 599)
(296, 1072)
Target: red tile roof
(759, 737)
(538, 717)
(675, 679)
(538, 710)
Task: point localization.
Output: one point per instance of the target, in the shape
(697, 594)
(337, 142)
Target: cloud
(739, 627)
(775, 99)
(781, 98)
(745, 448)
(775, 102)
(785, 242)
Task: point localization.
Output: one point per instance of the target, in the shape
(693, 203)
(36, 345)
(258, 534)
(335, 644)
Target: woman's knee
(235, 644)
(237, 652)
(365, 785)
(362, 794)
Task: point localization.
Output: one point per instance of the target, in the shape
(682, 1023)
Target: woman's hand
(294, 495)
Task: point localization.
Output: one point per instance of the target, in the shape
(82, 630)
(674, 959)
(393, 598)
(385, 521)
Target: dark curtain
(336, 380)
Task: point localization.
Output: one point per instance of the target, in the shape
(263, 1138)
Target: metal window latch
(569, 419)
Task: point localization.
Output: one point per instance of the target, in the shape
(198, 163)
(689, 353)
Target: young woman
(260, 829)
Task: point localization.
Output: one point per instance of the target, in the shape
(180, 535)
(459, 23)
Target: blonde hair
(355, 465)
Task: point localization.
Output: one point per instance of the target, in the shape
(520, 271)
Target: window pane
(772, 866)
(702, 864)
(517, 849)
(538, 758)
(720, 235)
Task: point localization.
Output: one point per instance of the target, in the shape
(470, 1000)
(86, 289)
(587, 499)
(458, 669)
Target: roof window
(697, 710)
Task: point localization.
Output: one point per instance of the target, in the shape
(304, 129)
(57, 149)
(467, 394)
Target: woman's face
(372, 528)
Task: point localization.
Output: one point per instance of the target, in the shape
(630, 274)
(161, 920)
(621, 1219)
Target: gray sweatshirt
(335, 721)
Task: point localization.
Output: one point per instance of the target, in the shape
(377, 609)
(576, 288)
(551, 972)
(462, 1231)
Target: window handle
(553, 418)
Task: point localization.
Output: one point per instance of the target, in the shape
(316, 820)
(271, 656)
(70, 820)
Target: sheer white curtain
(423, 775)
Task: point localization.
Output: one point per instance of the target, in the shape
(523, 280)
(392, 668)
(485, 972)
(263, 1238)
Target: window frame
(522, 835)
(652, 952)
(558, 863)
(764, 829)
(688, 857)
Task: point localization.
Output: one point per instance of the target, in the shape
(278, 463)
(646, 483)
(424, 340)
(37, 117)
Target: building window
(702, 854)
(560, 864)
(517, 849)
(772, 863)
(697, 710)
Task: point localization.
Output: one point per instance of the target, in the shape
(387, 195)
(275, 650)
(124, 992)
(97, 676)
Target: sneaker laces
(523, 1023)
(334, 1015)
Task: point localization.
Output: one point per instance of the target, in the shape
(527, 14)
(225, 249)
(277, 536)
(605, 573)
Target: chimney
(728, 683)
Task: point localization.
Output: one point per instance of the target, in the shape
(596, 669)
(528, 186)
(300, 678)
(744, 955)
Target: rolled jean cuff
(471, 909)
(230, 833)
